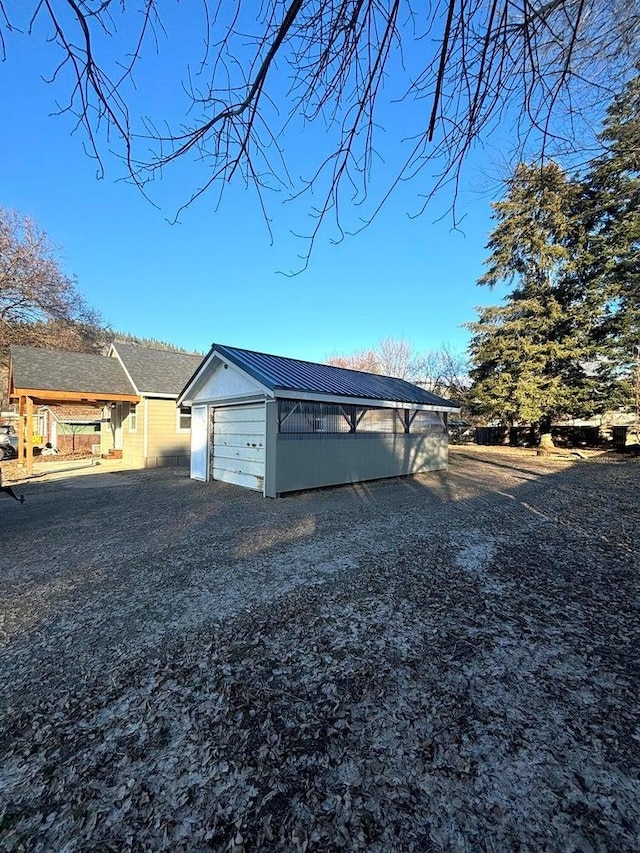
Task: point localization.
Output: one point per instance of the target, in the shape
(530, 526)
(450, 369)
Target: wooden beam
(45, 397)
(29, 435)
(21, 429)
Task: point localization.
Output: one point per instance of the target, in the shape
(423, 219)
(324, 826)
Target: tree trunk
(545, 445)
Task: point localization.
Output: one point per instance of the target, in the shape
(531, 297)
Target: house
(70, 428)
(133, 391)
(279, 424)
(153, 431)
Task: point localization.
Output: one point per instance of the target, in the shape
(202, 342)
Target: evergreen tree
(565, 339)
(529, 355)
(613, 246)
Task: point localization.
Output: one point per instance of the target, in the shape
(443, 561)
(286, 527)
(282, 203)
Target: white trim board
(311, 396)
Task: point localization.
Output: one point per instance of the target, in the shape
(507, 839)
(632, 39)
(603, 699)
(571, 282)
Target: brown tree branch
(465, 67)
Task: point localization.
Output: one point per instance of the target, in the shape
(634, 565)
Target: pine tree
(529, 354)
(566, 337)
(613, 247)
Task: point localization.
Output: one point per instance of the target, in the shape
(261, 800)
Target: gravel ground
(448, 662)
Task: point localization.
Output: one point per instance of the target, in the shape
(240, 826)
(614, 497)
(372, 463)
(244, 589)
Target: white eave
(312, 396)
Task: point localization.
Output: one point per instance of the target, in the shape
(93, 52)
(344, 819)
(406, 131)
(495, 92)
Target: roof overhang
(286, 394)
(46, 397)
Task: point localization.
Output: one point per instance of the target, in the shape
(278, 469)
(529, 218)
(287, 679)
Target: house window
(133, 417)
(184, 418)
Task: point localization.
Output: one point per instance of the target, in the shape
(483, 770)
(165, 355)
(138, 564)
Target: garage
(278, 425)
(238, 445)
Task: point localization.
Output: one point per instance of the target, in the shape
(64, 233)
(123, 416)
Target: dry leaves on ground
(466, 680)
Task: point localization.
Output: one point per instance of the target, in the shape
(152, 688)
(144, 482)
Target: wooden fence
(527, 436)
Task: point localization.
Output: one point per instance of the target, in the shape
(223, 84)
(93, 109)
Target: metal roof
(56, 370)
(154, 371)
(290, 374)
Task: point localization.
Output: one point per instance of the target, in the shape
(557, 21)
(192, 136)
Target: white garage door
(238, 445)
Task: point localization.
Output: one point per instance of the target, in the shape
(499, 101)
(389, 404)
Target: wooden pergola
(28, 397)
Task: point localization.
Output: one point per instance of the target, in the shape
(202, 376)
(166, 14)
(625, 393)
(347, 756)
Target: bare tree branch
(443, 371)
(435, 79)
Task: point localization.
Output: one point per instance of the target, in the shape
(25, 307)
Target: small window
(133, 417)
(184, 418)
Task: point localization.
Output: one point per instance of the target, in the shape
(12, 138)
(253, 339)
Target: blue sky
(216, 276)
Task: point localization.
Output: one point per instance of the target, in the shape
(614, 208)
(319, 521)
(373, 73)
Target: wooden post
(21, 404)
(29, 436)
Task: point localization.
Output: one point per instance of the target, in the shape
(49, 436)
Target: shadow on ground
(449, 660)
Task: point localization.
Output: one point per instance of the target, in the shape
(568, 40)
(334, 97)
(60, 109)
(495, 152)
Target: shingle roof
(56, 370)
(290, 374)
(157, 371)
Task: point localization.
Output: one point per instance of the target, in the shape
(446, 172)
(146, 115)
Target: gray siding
(312, 462)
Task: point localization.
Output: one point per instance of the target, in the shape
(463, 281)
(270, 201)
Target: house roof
(289, 376)
(156, 372)
(77, 414)
(35, 369)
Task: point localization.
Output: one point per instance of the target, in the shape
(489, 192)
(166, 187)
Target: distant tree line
(564, 340)
(444, 370)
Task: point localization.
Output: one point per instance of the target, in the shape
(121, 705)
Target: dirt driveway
(448, 662)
